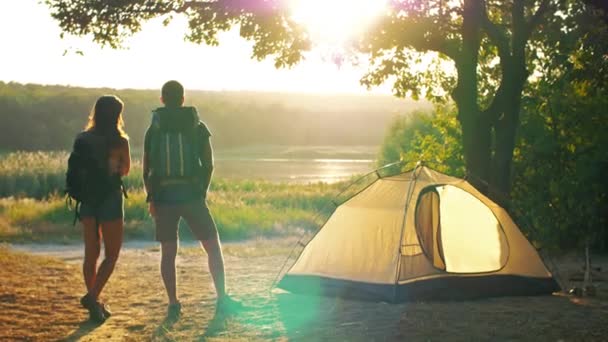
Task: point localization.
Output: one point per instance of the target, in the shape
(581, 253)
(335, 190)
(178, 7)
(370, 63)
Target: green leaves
(432, 137)
(110, 22)
(107, 22)
(561, 155)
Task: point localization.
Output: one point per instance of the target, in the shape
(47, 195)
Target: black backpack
(174, 145)
(87, 178)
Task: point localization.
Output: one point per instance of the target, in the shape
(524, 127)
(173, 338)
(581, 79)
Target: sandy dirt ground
(39, 302)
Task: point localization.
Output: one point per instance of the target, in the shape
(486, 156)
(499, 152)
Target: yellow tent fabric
(419, 234)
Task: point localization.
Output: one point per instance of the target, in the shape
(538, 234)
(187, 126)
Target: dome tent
(419, 235)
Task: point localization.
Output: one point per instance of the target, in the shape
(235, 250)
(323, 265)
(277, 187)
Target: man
(177, 169)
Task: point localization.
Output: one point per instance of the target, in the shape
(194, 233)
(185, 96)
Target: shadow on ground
(85, 328)
(310, 318)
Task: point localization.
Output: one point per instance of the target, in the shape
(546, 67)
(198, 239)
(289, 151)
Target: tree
(492, 44)
(561, 160)
(560, 192)
(265, 22)
(431, 136)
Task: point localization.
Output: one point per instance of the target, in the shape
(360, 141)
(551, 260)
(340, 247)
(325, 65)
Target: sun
(336, 21)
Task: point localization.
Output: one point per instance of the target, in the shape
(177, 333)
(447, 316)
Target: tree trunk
(476, 144)
(514, 76)
(475, 128)
(502, 162)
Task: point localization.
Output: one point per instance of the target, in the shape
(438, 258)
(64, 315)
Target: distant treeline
(37, 117)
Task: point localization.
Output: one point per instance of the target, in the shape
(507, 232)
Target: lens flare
(335, 21)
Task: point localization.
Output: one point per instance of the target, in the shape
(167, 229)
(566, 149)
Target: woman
(108, 144)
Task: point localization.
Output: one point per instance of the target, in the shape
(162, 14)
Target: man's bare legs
(167, 269)
(203, 227)
(225, 304)
(215, 260)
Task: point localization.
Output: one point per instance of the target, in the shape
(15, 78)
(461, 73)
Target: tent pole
(410, 192)
(336, 204)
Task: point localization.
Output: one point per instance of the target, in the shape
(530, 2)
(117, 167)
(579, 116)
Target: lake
(295, 164)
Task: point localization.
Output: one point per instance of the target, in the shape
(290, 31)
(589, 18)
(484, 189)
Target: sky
(32, 52)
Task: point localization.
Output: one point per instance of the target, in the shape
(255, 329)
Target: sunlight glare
(336, 21)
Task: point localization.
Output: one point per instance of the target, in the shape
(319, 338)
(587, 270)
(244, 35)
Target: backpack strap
(77, 216)
(124, 189)
(74, 206)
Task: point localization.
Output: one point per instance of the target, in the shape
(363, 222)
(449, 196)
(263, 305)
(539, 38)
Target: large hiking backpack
(174, 146)
(88, 179)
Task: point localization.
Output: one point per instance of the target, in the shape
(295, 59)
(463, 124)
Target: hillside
(38, 117)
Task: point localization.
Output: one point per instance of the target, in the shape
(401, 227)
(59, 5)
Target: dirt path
(39, 301)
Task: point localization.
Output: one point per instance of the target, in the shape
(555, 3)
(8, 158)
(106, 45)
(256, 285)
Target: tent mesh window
(458, 233)
(428, 226)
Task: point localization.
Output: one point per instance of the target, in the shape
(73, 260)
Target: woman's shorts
(112, 208)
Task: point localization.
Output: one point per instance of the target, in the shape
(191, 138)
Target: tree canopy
(266, 23)
(497, 49)
(560, 192)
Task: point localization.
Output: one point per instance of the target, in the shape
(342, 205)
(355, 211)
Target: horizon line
(265, 91)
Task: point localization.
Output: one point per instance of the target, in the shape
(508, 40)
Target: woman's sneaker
(105, 309)
(96, 311)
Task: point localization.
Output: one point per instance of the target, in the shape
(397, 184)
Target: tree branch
(536, 18)
(416, 36)
(492, 112)
(233, 7)
(496, 35)
(501, 40)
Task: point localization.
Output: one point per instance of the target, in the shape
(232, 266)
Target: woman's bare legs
(92, 247)
(112, 241)
(111, 231)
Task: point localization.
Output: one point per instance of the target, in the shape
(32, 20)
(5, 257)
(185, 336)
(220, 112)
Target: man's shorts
(196, 214)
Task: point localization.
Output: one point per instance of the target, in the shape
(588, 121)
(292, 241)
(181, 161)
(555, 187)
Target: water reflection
(292, 170)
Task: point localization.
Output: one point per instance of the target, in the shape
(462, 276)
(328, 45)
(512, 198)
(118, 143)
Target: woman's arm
(125, 159)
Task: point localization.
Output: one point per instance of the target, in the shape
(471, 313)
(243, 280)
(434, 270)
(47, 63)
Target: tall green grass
(42, 174)
(33, 208)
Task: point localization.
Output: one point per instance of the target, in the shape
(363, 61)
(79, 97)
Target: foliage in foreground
(242, 209)
(560, 193)
(560, 190)
(431, 137)
(42, 174)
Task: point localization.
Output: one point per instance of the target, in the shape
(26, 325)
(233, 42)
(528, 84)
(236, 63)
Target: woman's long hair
(106, 118)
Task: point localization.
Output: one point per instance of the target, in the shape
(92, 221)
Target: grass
(239, 212)
(33, 208)
(41, 175)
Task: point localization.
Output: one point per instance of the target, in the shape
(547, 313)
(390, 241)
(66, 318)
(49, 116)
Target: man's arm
(207, 164)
